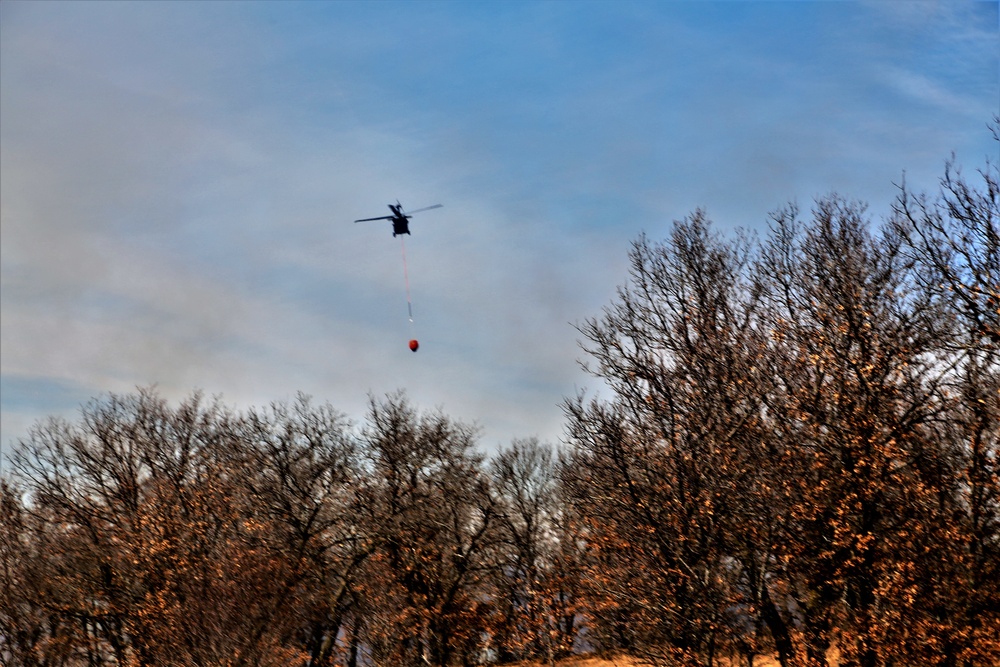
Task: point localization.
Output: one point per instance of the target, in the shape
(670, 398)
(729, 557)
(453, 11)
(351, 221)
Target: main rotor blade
(384, 217)
(426, 208)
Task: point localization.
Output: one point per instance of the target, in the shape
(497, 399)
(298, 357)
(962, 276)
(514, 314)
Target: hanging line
(406, 278)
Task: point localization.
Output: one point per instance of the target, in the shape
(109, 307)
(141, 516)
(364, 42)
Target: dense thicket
(795, 452)
(799, 449)
(153, 535)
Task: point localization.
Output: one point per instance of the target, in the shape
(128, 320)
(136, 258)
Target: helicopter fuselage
(400, 225)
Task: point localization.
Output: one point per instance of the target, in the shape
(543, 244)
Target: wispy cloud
(179, 179)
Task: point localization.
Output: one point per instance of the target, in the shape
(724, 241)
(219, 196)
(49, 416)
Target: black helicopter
(400, 220)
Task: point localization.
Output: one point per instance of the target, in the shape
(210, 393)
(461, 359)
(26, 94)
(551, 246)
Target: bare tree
(434, 517)
(659, 469)
(302, 469)
(863, 346)
(953, 240)
(536, 601)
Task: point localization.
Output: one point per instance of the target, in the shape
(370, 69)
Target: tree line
(794, 452)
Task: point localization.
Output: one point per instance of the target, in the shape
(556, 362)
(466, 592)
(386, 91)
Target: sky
(178, 180)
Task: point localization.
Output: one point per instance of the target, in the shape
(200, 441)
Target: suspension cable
(406, 278)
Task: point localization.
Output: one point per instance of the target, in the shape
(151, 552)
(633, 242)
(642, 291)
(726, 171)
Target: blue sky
(178, 180)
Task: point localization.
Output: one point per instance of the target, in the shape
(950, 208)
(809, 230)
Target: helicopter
(400, 220)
